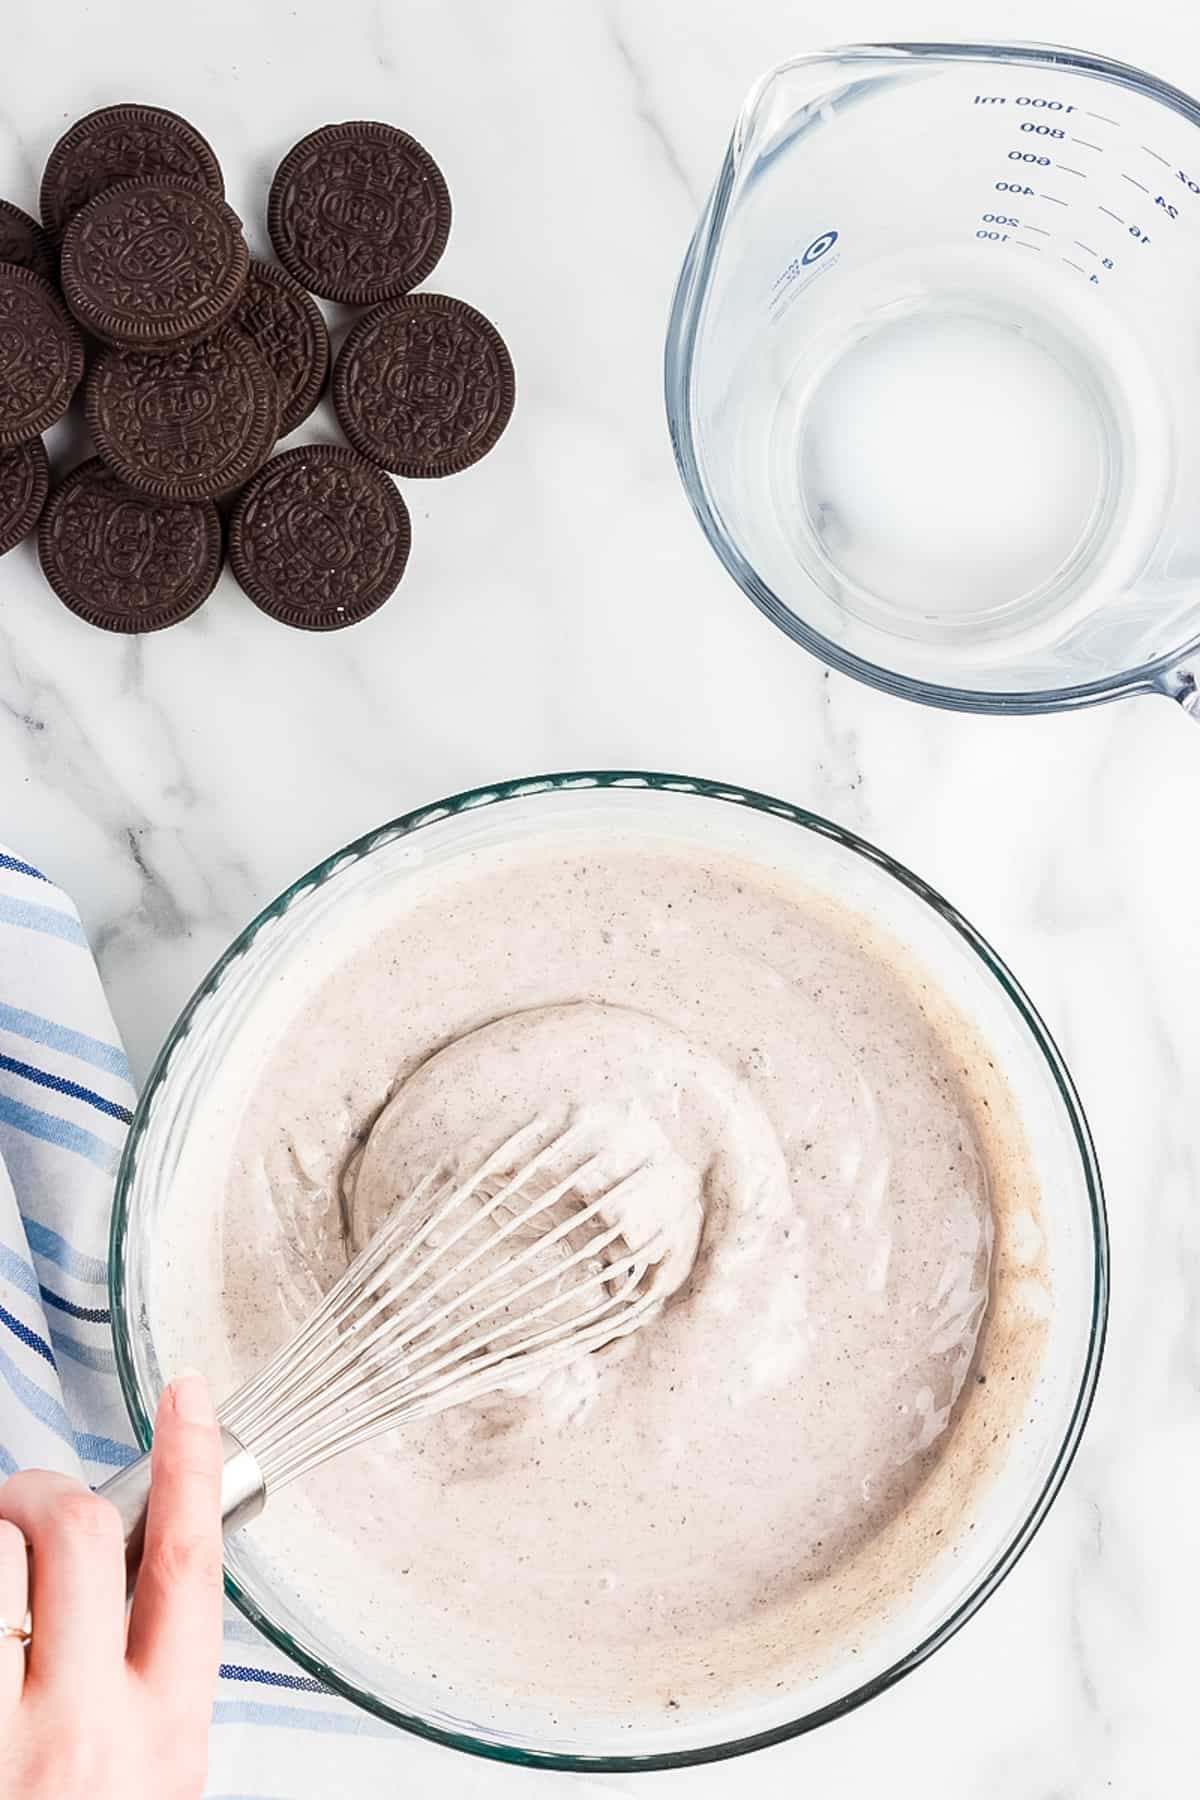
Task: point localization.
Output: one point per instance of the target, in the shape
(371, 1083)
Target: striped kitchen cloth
(65, 1105)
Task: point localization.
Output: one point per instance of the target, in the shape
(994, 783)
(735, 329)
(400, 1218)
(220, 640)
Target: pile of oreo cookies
(199, 358)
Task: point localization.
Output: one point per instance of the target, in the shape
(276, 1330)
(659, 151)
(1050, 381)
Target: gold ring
(22, 1634)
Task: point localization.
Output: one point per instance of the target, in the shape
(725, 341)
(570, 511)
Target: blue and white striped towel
(65, 1103)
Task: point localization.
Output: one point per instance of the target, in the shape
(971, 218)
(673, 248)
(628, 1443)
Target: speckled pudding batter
(753, 1477)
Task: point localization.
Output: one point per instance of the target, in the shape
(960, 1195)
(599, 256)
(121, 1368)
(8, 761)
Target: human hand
(97, 1709)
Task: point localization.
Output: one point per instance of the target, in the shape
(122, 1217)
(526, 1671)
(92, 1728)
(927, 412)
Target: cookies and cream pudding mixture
(741, 1488)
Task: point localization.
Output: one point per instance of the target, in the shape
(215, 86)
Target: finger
(175, 1627)
(77, 1580)
(14, 1598)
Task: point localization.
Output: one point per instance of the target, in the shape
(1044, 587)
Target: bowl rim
(498, 794)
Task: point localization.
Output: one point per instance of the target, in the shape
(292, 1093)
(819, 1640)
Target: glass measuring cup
(933, 371)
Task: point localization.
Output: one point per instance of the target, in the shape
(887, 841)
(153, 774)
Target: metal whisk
(472, 1285)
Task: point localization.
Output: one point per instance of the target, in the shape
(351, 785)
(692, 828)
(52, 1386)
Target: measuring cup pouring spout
(930, 370)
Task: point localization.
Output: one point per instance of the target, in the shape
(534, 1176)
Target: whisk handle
(242, 1497)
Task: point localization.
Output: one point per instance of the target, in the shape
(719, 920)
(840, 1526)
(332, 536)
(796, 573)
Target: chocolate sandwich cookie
(123, 143)
(286, 325)
(41, 355)
(319, 538)
(22, 241)
(185, 424)
(424, 385)
(24, 480)
(152, 263)
(358, 212)
(124, 561)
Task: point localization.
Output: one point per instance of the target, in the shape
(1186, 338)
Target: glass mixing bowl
(829, 861)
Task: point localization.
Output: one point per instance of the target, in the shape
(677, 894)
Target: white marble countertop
(562, 610)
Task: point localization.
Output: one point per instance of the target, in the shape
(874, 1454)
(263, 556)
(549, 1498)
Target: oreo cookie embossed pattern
(123, 143)
(24, 481)
(319, 539)
(287, 326)
(188, 424)
(41, 356)
(359, 212)
(205, 358)
(152, 263)
(424, 386)
(122, 560)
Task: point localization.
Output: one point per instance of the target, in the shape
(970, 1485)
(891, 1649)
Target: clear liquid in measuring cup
(961, 458)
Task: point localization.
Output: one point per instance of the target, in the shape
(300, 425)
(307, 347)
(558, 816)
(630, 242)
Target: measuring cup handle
(1182, 684)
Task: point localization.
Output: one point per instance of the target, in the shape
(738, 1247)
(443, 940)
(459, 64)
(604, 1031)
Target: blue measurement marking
(1135, 181)
(819, 247)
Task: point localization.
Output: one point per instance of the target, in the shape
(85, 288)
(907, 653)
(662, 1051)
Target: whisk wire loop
(475, 1283)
